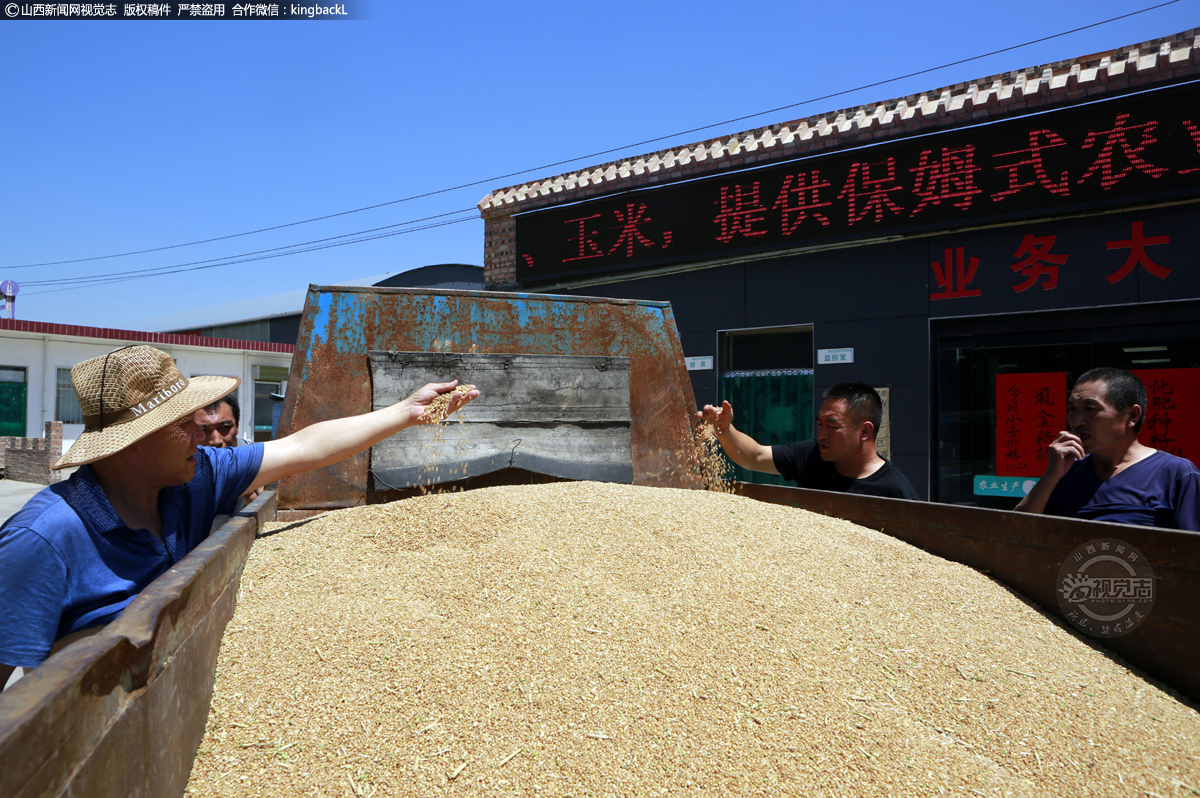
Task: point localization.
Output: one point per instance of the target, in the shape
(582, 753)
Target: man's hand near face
(1062, 454)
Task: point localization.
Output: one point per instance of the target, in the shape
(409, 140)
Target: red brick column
(499, 253)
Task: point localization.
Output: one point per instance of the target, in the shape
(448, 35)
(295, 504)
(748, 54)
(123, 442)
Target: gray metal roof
(289, 303)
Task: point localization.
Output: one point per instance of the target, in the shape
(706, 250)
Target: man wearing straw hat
(146, 494)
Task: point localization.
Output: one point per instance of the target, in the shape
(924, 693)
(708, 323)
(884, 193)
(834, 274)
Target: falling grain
(707, 462)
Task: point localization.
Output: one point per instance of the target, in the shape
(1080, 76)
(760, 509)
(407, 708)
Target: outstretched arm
(1062, 454)
(329, 442)
(741, 448)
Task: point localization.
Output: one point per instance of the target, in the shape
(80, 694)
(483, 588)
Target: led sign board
(1108, 154)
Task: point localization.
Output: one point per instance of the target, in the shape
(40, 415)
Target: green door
(12, 408)
(773, 407)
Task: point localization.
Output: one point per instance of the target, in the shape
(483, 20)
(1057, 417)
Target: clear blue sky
(123, 136)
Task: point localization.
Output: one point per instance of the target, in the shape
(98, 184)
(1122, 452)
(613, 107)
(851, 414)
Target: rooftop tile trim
(49, 328)
(1164, 60)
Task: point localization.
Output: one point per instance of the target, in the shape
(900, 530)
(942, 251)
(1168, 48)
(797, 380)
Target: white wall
(42, 355)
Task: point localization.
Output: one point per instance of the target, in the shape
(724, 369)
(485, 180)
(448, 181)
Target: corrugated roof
(289, 303)
(139, 336)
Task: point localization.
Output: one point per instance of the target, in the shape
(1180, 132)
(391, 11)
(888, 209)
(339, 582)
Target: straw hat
(130, 393)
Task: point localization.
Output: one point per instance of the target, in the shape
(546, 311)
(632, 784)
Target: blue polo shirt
(67, 562)
(1160, 490)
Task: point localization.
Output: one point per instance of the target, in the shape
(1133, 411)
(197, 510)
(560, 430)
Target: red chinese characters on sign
(1173, 396)
(587, 233)
(1193, 131)
(1136, 244)
(630, 235)
(799, 197)
(1030, 412)
(868, 181)
(585, 236)
(950, 178)
(1118, 138)
(1035, 260)
(1033, 160)
(1109, 155)
(874, 191)
(741, 212)
(953, 273)
(1038, 262)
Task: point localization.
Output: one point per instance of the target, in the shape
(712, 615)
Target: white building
(252, 339)
(36, 359)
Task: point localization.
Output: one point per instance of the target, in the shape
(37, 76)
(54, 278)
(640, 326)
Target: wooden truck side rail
(1026, 552)
(122, 712)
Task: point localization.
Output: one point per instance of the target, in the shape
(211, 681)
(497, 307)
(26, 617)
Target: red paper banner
(1030, 412)
(1173, 396)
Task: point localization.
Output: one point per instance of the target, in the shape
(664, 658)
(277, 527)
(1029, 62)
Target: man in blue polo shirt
(146, 494)
(1098, 470)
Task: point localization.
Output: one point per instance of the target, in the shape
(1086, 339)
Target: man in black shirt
(841, 458)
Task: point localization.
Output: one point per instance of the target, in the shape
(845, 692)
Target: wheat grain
(439, 408)
(629, 641)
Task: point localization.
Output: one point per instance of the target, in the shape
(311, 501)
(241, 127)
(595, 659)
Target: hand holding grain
(718, 419)
(435, 402)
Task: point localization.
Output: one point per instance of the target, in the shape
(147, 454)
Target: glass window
(1001, 390)
(766, 375)
(66, 407)
(763, 349)
(264, 410)
(12, 374)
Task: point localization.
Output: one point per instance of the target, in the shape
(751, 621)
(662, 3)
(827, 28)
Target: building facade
(36, 360)
(970, 251)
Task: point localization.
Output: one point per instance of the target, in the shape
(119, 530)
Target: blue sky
(126, 136)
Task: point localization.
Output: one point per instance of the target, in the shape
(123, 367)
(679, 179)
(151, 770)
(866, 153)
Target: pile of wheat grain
(593, 639)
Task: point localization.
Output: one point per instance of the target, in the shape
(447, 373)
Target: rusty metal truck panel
(331, 375)
(1027, 552)
(122, 713)
(561, 415)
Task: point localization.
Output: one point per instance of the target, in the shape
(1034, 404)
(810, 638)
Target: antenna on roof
(8, 290)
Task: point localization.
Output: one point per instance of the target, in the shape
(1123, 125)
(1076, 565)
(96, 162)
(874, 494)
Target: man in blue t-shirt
(841, 458)
(1098, 470)
(146, 494)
